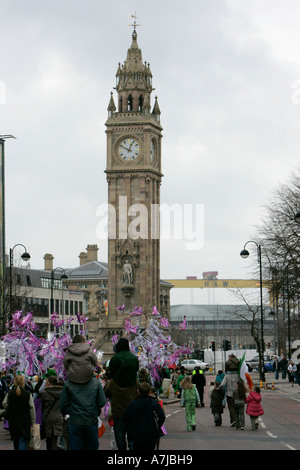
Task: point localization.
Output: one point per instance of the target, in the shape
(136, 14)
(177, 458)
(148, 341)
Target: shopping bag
(101, 428)
(35, 440)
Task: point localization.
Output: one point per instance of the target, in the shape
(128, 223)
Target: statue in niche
(127, 273)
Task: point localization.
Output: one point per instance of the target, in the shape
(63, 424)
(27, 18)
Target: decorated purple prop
(31, 355)
(152, 346)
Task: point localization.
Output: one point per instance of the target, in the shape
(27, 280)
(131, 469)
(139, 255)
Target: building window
(28, 281)
(46, 282)
(129, 103)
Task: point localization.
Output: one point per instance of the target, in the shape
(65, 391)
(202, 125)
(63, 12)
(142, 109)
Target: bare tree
(279, 236)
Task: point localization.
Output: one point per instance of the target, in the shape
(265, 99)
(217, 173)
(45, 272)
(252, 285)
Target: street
(278, 428)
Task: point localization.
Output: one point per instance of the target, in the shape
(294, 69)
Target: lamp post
(63, 276)
(25, 257)
(244, 254)
(2, 225)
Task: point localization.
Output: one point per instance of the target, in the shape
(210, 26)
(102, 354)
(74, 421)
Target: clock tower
(133, 171)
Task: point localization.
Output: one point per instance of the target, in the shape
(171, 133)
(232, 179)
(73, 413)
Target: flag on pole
(243, 369)
(243, 372)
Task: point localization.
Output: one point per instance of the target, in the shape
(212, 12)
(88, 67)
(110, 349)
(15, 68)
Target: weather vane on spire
(134, 23)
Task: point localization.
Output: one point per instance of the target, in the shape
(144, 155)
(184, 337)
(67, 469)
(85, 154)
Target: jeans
(230, 404)
(120, 434)
(239, 415)
(83, 437)
(20, 443)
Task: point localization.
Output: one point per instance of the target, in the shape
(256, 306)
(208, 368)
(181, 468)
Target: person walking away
(189, 399)
(80, 361)
(19, 407)
(254, 408)
(276, 367)
(229, 381)
(174, 379)
(220, 376)
(283, 365)
(52, 417)
(180, 378)
(162, 431)
(239, 397)
(143, 375)
(216, 403)
(83, 403)
(143, 419)
(198, 379)
(122, 387)
(291, 370)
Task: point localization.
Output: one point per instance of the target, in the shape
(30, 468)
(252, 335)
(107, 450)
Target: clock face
(129, 149)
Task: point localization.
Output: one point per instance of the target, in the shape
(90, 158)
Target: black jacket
(140, 419)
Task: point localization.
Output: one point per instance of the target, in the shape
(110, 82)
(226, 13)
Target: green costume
(189, 399)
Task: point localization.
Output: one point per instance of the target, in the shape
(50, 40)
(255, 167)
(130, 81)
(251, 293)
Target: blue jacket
(143, 419)
(82, 401)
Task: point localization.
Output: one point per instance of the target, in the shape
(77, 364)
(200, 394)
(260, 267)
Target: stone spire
(134, 80)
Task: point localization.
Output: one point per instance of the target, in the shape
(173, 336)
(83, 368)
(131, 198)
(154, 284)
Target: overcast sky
(227, 76)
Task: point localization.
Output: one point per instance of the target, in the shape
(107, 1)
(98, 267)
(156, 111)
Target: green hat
(50, 372)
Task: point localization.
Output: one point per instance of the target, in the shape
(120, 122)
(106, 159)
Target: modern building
(42, 292)
(208, 323)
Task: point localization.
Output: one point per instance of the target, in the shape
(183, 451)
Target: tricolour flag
(243, 369)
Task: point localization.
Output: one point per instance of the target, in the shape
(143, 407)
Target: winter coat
(80, 362)
(21, 413)
(143, 419)
(120, 397)
(52, 417)
(216, 400)
(232, 364)
(123, 368)
(254, 407)
(83, 402)
(190, 395)
(230, 381)
(199, 379)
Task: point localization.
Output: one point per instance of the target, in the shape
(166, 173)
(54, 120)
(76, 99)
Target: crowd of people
(68, 410)
(287, 367)
(240, 395)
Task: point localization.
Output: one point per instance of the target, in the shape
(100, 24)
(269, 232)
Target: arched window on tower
(129, 103)
(141, 101)
(121, 104)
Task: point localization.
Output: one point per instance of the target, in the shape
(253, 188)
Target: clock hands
(129, 153)
(125, 148)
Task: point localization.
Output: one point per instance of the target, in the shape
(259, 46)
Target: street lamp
(63, 276)
(25, 257)
(2, 224)
(244, 254)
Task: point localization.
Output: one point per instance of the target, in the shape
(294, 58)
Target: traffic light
(226, 345)
(213, 345)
